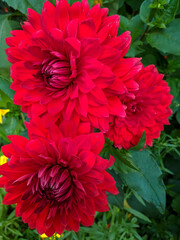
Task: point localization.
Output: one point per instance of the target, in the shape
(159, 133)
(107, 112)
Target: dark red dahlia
(57, 178)
(147, 109)
(65, 62)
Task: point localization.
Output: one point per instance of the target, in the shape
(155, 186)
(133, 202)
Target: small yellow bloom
(55, 235)
(2, 113)
(3, 159)
(44, 235)
(98, 1)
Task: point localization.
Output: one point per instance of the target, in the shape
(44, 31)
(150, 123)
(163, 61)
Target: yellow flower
(98, 1)
(3, 159)
(2, 113)
(43, 236)
(55, 235)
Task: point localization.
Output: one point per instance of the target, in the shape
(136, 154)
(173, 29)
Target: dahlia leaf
(116, 200)
(137, 214)
(4, 100)
(134, 25)
(135, 5)
(3, 134)
(147, 182)
(5, 27)
(23, 5)
(122, 158)
(158, 14)
(175, 204)
(178, 116)
(166, 15)
(5, 87)
(145, 11)
(167, 40)
(11, 125)
(141, 143)
(113, 5)
(135, 49)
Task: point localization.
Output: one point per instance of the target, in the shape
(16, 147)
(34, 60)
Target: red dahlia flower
(57, 178)
(65, 62)
(147, 109)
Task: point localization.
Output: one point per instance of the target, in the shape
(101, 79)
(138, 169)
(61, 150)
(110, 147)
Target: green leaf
(176, 204)
(164, 16)
(3, 134)
(4, 100)
(15, 231)
(174, 85)
(137, 214)
(178, 116)
(158, 13)
(5, 27)
(141, 143)
(138, 197)
(167, 40)
(5, 87)
(135, 49)
(37, 5)
(11, 215)
(10, 124)
(121, 157)
(112, 5)
(116, 200)
(134, 4)
(134, 25)
(5, 73)
(23, 5)
(146, 13)
(149, 59)
(90, 3)
(147, 182)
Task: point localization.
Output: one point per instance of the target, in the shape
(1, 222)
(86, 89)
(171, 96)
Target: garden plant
(90, 119)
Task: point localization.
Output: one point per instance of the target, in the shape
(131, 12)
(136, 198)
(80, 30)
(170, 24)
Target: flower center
(58, 73)
(134, 108)
(55, 183)
(133, 105)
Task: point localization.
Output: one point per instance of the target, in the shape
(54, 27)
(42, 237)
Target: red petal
(83, 104)
(62, 14)
(34, 18)
(90, 47)
(87, 29)
(84, 82)
(72, 45)
(97, 142)
(115, 107)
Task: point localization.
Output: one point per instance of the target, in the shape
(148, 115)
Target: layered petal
(146, 105)
(59, 173)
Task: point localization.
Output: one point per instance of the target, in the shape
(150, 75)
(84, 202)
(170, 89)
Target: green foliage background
(148, 205)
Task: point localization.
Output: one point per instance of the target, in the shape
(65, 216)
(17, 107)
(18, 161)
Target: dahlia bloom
(147, 109)
(56, 178)
(65, 62)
